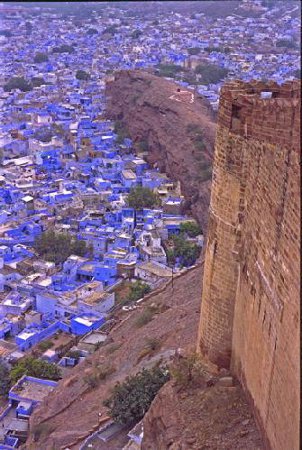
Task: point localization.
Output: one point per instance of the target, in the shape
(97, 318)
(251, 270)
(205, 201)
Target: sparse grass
(99, 374)
(186, 370)
(145, 317)
(113, 348)
(45, 345)
(152, 345)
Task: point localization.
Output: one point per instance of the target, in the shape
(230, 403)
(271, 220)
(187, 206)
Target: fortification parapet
(250, 304)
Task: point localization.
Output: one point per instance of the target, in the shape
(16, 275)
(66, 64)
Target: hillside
(75, 409)
(175, 129)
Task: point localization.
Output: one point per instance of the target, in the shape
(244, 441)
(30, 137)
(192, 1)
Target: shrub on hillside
(138, 290)
(131, 399)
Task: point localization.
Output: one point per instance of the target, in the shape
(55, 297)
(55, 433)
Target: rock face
(174, 125)
(200, 417)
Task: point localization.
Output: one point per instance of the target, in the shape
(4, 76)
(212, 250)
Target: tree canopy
(287, 43)
(211, 73)
(4, 377)
(136, 33)
(57, 247)
(186, 252)
(37, 81)
(64, 49)
(168, 70)
(138, 290)
(192, 229)
(6, 33)
(35, 368)
(40, 57)
(82, 75)
(194, 50)
(92, 31)
(18, 83)
(131, 399)
(142, 197)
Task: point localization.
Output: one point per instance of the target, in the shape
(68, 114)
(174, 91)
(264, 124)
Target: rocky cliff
(174, 126)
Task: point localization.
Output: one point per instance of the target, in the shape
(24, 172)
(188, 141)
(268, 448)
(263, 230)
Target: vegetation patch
(192, 229)
(45, 345)
(57, 247)
(121, 131)
(183, 252)
(18, 83)
(145, 317)
(138, 290)
(41, 429)
(35, 368)
(211, 73)
(168, 70)
(131, 399)
(82, 75)
(186, 370)
(40, 58)
(99, 374)
(142, 197)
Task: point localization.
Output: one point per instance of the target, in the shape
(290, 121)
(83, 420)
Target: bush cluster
(131, 399)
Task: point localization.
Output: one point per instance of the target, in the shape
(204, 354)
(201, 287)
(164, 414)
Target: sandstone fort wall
(250, 306)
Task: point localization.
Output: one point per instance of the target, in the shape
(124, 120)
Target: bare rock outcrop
(175, 126)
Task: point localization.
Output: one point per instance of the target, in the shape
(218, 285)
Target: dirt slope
(74, 408)
(165, 122)
(196, 414)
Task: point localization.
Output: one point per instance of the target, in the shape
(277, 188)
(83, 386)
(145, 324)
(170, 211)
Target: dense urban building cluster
(86, 225)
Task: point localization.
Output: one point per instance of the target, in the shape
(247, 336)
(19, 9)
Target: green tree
(37, 81)
(168, 70)
(45, 345)
(43, 134)
(92, 31)
(142, 197)
(35, 368)
(185, 251)
(194, 50)
(138, 290)
(5, 380)
(6, 33)
(40, 57)
(286, 43)
(17, 83)
(82, 75)
(64, 49)
(136, 34)
(192, 229)
(112, 29)
(57, 247)
(131, 399)
(211, 73)
(121, 131)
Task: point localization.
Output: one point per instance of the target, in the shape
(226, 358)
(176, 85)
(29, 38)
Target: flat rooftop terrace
(32, 388)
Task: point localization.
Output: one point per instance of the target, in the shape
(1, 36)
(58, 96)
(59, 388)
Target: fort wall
(250, 306)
